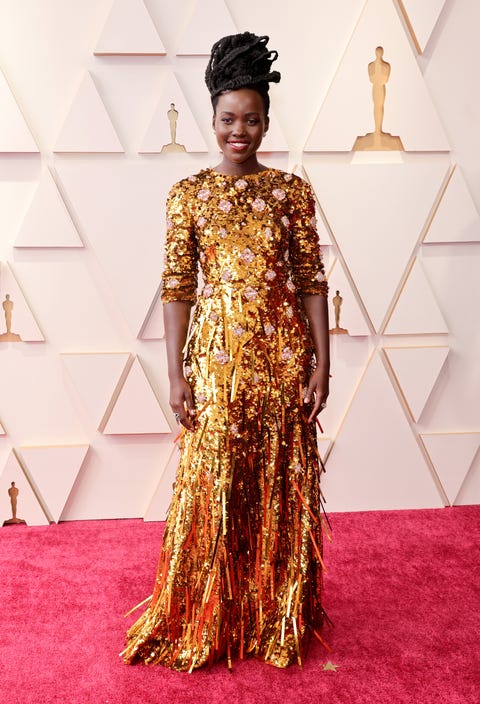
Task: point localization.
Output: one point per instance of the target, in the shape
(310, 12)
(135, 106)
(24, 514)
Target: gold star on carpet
(329, 666)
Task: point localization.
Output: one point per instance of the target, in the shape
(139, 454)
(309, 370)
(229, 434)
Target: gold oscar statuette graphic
(378, 73)
(172, 115)
(337, 301)
(9, 336)
(14, 521)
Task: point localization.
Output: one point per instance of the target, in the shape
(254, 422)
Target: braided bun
(241, 61)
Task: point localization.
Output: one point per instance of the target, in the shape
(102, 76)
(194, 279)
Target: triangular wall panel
(28, 506)
(23, 325)
(153, 327)
(53, 471)
(377, 213)
(158, 134)
(2, 430)
(201, 33)
(452, 455)
(160, 502)
(347, 111)
(47, 222)
(416, 311)
(15, 136)
(274, 140)
(136, 410)
(129, 30)
(96, 377)
(416, 370)
(421, 18)
(349, 358)
(456, 218)
(388, 470)
(87, 127)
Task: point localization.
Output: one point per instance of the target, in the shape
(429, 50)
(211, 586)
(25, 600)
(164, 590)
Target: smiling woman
(240, 124)
(240, 570)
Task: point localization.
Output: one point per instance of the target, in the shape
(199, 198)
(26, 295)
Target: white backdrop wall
(85, 427)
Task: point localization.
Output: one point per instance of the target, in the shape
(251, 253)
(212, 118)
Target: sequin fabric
(240, 569)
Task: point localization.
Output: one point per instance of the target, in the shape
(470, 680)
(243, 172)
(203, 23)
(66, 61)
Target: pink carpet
(403, 589)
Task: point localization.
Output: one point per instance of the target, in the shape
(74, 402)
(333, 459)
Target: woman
(240, 565)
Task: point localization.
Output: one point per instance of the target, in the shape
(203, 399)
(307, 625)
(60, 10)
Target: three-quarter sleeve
(308, 272)
(179, 280)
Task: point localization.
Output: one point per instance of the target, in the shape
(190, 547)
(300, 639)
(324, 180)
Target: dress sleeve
(179, 281)
(308, 272)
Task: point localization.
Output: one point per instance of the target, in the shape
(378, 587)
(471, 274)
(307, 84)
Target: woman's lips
(238, 146)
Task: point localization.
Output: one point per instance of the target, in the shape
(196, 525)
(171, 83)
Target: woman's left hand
(318, 391)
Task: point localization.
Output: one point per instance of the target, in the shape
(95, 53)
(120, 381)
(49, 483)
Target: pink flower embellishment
(222, 357)
(192, 179)
(225, 205)
(202, 256)
(250, 293)
(313, 222)
(270, 275)
(287, 354)
(226, 275)
(319, 276)
(258, 204)
(213, 316)
(291, 286)
(201, 222)
(286, 255)
(169, 224)
(203, 194)
(201, 397)
(187, 370)
(234, 429)
(289, 312)
(269, 329)
(298, 468)
(278, 193)
(268, 233)
(247, 255)
(241, 184)
(285, 221)
(238, 330)
(222, 232)
(207, 290)
(287, 177)
(171, 283)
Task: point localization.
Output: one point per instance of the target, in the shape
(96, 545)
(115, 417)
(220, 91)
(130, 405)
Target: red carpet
(403, 589)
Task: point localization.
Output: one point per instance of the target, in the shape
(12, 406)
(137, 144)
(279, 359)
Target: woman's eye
(226, 120)
(253, 122)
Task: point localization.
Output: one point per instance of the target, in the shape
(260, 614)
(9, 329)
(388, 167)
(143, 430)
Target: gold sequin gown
(240, 568)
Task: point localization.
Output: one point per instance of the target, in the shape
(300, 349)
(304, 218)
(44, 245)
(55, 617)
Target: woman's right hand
(181, 402)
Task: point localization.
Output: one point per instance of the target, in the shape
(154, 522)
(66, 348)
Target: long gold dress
(240, 568)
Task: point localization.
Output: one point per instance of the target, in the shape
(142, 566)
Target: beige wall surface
(85, 88)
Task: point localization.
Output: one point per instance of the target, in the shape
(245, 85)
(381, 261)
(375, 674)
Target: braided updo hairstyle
(241, 61)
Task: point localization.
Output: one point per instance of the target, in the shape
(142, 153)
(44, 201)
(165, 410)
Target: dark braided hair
(241, 61)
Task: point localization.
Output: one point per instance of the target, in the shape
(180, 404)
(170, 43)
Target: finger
(316, 409)
(188, 423)
(310, 391)
(189, 402)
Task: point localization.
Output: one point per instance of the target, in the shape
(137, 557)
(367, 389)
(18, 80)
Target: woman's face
(240, 124)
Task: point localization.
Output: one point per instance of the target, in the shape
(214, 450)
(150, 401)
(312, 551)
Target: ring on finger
(177, 417)
(323, 405)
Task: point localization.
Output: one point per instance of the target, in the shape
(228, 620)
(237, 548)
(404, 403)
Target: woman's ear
(267, 123)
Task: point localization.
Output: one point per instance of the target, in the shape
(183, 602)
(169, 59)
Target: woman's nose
(238, 129)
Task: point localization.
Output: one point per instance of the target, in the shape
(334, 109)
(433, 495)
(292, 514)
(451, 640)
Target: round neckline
(255, 174)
